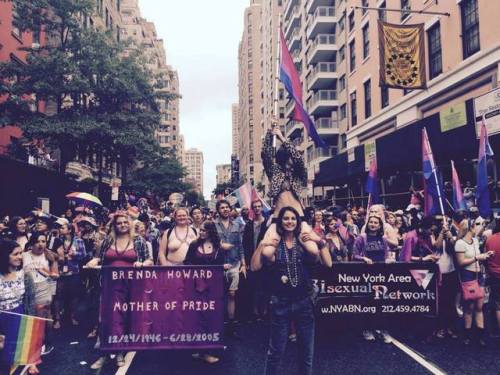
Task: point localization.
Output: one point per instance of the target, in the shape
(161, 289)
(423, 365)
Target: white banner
(488, 105)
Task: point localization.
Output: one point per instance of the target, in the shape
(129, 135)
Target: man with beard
(234, 260)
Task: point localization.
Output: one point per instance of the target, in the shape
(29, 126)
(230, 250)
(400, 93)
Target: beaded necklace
(184, 240)
(291, 264)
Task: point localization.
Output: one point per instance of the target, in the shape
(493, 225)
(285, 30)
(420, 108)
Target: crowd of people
(48, 262)
(45, 261)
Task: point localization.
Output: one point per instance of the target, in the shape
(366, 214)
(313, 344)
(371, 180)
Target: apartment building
(250, 82)
(234, 129)
(310, 29)
(223, 173)
(193, 162)
(143, 34)
(462, 50)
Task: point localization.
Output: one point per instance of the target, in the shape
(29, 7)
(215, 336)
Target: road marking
(434, 369)
(129, 357)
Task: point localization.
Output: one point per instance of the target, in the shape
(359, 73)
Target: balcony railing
(321, 12)
(290, 7)
(321, 95)
(296, 54)
(322, 67)
(322, 39)
(326, 123)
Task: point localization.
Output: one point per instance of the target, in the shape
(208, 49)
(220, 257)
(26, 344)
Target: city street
(336, 353)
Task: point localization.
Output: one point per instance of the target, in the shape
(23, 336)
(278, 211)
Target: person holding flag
(17, 298)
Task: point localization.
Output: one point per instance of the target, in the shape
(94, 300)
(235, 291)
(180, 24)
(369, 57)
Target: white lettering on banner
(198, 305)
(136, 306)
(170, 274)
(133, 275)
(382, 292)
(189, 274)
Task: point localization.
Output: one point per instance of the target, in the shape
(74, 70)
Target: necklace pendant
(284, 279)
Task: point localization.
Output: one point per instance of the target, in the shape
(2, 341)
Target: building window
(405, 5)
(354, 113)
(118, 5)
(364, 3)
(470, 27)
(342, 83)
(351, 21)
(343, 112)
(382, 14)
(368, 98)
(352, 55)
(341, 24)
(435, 56)
(343, 141)
(366, 41)
(384, 96)
(341, 54)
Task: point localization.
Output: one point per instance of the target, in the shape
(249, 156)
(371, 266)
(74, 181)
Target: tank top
(116, 258)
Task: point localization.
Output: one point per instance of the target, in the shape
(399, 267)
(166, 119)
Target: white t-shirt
(445, 263)
(32, 262)
(470, 251)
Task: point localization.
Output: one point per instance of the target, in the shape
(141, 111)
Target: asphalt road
(336, 353)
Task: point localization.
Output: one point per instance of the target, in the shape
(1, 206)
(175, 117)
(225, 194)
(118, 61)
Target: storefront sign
(162, 308)
(370, 153)
(453, 117)
(362, 292)
(488, 105)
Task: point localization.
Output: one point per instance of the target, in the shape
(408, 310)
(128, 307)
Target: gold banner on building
(402, 55)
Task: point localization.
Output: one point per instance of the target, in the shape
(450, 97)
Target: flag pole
(440, 198)
(434, 172)
(276, 83)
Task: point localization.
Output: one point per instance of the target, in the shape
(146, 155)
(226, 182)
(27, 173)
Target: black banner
(377, 292)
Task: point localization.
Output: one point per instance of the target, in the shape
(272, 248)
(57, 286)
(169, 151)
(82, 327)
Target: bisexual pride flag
(432, 189)
(458, 196)
(482, 192)
(246, 194)
(24, 335)
(290, 79)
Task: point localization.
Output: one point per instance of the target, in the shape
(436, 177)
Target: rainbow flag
(24, 336)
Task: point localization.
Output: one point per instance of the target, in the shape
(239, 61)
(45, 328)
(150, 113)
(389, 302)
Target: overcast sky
(201, 41)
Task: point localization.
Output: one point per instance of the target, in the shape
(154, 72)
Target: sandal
(210, 359)
(120, 360)
(92, 334)
(98, 364)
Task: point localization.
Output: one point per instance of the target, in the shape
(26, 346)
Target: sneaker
(368, 336)
(47, 349)
(120, 360)
(386, 337)
(98, 364)
(441, 334)
(293, 337)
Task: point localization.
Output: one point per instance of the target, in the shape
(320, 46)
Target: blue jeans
(283, 312)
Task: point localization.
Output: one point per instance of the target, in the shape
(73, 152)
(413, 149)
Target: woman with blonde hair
(175, 242)
(122, 248)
